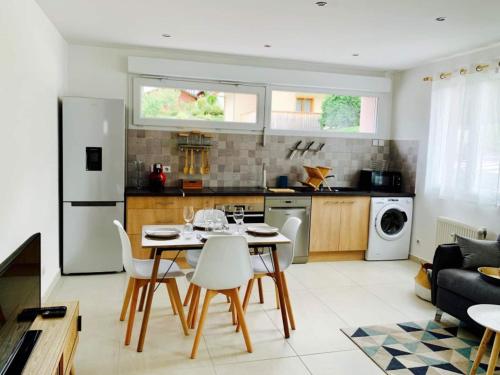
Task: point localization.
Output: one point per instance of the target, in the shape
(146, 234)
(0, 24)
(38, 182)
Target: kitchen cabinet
(339, 224)
(158, 210)
(150, 210)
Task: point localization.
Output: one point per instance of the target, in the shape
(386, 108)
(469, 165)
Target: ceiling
(387, 34)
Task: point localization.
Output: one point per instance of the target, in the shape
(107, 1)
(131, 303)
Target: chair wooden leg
(246, 298)
(177, 301)
(277, 296)
(228, 300)
(126, 299)
(191, 305)
(195, 301)
(188, 295)
(261, 290)
(143, 297)
(171, 297)
(233, 313)
(133, 306)
(494, 355)
(208, 296)
(480, 351)
(241, 319)
(288, 304)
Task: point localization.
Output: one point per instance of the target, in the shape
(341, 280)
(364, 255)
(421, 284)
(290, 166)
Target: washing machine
(390, 228)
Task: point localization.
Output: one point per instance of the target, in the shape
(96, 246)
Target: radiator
(447, 229)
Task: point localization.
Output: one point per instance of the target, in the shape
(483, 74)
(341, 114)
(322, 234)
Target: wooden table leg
(494, 355)
(149, 301)
(279, 284)
(480, 350)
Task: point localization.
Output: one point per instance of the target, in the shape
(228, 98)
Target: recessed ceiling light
(321, 3)
(441, 19)
(267, 45)
(355, 54)
(166, 35)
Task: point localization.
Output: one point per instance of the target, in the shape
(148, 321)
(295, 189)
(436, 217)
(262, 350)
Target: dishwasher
(278, 209)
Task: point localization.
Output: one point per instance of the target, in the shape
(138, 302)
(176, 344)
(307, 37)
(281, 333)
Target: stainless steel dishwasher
(278, 209)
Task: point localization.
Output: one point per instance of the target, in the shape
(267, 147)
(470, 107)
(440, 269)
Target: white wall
(33, 67)
(411, 111)
(103, 72)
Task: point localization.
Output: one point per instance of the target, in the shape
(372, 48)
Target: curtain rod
(462, 71)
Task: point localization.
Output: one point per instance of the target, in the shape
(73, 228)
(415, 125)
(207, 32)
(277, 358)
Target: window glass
(197, 104)
(323, 112)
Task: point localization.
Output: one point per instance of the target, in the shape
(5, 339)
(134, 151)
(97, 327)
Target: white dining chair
(192, 256)
(262, 266)
(224, 265)
(139, 272)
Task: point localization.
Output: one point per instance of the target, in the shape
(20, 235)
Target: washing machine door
(391, 222)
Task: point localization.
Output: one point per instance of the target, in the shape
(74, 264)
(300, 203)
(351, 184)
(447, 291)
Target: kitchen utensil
(207, 165)
(191, 167)
(306, 149)
(157, 178)
(202, 162)
(281, 190)
(294, 150)
(186, 162)
(282, 181)
(316, 176)
(165, 233)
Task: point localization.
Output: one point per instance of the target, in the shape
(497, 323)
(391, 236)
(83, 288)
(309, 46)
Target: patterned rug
(419, 348)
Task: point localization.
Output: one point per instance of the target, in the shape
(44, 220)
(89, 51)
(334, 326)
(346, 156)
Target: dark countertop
(242, 191)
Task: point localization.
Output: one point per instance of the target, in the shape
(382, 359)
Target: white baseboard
(417, 259)
(51, 287)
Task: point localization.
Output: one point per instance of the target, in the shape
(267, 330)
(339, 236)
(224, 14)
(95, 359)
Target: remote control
(53, 312)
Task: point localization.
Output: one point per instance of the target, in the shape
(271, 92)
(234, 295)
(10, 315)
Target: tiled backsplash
(237, 159)
(404, 156)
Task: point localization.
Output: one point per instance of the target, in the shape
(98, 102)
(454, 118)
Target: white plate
(204, 236)
(262, 229)
(163, 232)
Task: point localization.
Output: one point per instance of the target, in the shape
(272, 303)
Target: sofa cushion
(479, 253)
(469, 284)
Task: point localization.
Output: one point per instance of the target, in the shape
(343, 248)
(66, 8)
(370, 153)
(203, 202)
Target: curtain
(463, 159)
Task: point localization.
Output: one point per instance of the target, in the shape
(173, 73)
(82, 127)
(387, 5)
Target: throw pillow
(479, 253)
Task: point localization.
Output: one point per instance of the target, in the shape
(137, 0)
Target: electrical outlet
(374, 142)
(167, 169)
(381, 142)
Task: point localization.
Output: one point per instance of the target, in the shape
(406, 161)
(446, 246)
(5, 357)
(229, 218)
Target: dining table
(195, 241)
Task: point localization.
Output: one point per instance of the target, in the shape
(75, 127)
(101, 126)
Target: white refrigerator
(93, 176)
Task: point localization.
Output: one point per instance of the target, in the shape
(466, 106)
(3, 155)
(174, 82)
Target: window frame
(174, 124)
(381, 101)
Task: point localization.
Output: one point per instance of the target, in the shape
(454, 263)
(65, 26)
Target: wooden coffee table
(489, 317)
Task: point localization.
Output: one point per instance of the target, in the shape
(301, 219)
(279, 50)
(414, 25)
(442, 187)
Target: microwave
(387, 181)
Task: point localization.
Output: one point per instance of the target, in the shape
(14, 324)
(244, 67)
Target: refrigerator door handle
(93, 204)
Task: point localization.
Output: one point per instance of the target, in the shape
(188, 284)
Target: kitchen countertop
(242, 191)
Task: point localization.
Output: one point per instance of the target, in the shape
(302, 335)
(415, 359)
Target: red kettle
(157, 178)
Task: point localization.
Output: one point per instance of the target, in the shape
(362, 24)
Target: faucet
(325, 182)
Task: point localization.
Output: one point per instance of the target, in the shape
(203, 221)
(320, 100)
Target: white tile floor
(325, 297)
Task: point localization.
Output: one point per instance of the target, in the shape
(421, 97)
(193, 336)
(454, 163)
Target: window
(304, 111)
(200, 104)
(304, 105)
(463, 159)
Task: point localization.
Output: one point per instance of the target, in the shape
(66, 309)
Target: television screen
(19, 296)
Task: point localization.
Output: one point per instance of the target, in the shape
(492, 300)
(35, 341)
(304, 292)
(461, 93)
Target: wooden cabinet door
(354, 218)
(325, 224)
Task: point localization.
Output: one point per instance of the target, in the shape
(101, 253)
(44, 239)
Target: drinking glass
(239, 215)
(208, 217)
(188, 214)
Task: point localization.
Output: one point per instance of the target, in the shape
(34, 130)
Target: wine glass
(188, 214)
(239, 215)
(208, 217)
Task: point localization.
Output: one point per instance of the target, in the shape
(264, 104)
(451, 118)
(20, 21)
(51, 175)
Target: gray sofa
(455, 289)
